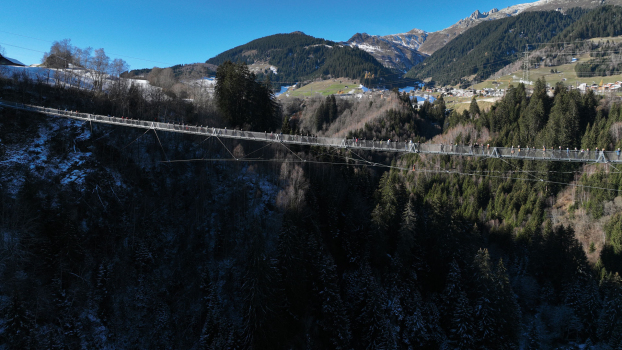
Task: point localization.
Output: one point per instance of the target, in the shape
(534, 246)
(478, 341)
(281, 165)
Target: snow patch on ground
(34, 154)
(77, 78)
(261, 185)
(367, 47)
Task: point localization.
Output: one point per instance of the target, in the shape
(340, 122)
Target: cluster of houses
(486, 92)
(609, 87)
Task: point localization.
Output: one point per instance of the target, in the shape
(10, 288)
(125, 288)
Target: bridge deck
(383, 146)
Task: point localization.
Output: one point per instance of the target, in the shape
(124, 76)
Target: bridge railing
(379, 145)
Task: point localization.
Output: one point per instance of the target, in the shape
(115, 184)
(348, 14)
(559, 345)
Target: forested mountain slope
(105, 244)
(397, 51)
(298, 56)
(605, 21)
(436, 40)
(484, 49)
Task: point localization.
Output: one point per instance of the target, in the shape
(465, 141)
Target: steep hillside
(403, 51)
(192, 70)
(594, 52)
(436, 40)
(107, 245)
(481, 51)
(398, 51)
(605, 21)
(298, 56)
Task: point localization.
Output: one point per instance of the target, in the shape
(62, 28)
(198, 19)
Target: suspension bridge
(541, 154)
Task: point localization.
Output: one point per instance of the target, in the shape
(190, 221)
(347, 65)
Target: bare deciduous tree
(60, 55)
(100, 65)
(163, 78)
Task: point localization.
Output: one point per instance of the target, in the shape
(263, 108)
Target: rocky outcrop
(437, 40)
(405, 50)
(396, 51)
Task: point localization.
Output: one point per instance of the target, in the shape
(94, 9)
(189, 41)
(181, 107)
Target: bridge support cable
(371, 145)
(200, 143)
(156, 134)
(611, 165)
(136, 139)
(420, 170)
(255, 151)
(292, 152)
(522, 171)
(218, 138)
(363, 159)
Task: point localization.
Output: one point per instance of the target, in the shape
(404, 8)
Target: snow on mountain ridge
(404, 50)
(436, 40)
(399, 51)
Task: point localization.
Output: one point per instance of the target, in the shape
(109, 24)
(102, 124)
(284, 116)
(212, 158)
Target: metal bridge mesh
(566, 155)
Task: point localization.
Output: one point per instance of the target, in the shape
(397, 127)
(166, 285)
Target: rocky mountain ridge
(398, 51)
(405, 50)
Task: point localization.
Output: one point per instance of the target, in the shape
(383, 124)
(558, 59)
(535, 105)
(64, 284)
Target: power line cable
(52, 41)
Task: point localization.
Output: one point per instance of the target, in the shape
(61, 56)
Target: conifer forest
(114, 237)
(108, 245)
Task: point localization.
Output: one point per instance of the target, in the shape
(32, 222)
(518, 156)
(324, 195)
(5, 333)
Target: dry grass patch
(588, 230)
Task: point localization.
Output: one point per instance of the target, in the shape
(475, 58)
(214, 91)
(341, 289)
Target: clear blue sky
(164, 33)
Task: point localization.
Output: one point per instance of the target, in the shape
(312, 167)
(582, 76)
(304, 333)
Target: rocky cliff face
(398, 51)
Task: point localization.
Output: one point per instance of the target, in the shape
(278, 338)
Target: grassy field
(565, 73)
(326, 88)
(460, 104)
(614, 39)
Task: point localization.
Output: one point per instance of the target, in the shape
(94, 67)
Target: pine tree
(321, 116)
(451, 293)
(582, 296)
(333, 112)
(563, 125)
(609, 325)
(535, 116)
(408, 249)
(533, 339)
(258, 294)
(474, 108)
(508, 308)
(367, 300)
(285, 128)
(462, 329)
(242, 100)
(485, 313)
(18, 325)
(332, 316)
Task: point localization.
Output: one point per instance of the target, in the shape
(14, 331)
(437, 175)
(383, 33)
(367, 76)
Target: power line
(25, 36)
(50, 41)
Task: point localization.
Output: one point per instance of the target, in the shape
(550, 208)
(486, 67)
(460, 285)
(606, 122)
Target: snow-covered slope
(399, 51)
